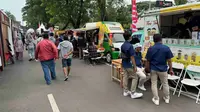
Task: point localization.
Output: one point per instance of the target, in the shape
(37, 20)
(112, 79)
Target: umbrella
(30, 31)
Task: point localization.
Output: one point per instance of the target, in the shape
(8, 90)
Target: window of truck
(181, 32)
(180, 26)
(118, 38)
(136, 38)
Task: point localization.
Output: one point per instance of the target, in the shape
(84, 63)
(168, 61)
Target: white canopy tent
(41, 27)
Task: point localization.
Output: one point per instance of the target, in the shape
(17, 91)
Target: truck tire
(108, 58)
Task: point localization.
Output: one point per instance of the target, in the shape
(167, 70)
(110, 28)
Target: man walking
(81, 44)
(47, 53)
(130, 69)
(157, 58)
(66, 50)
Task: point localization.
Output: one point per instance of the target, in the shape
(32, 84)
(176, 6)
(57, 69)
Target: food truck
(109, 36)
(179, 31)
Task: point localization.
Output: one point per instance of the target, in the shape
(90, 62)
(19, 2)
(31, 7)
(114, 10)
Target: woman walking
(19, 48)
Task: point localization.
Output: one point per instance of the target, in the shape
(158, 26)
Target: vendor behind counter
(189, 21)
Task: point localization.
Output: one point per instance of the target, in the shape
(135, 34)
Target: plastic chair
(194, 81)
(175, 78)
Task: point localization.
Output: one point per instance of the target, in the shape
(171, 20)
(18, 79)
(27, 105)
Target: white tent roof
(41, 27)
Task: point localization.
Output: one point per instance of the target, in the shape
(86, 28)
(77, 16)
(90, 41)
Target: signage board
(164, 4)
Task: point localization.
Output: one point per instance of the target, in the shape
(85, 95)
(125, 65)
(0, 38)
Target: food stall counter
(117, 71)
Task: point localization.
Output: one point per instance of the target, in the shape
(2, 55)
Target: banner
(134, 16)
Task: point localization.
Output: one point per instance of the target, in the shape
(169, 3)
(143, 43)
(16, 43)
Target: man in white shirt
(66, 50)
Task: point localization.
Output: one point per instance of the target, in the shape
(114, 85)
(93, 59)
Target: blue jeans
(31, 53)
(47, 66)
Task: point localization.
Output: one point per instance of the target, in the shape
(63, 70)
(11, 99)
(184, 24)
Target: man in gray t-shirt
(66, 49)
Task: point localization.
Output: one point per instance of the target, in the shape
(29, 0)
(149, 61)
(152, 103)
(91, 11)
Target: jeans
(31, 53)
(47, 66)
(80, 52)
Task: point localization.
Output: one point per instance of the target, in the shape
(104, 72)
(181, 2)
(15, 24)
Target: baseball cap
(137, 45)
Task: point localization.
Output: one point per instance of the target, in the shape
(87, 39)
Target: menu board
(181, 41)
(151, 28)
(186, 54)
(164, 41)
(194, 35)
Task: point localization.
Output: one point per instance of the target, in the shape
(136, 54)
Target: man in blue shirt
(157, 57)
(130, 69)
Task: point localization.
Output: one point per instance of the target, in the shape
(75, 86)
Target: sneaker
(48, 83)
(156, 102)
(66, 78)
(166, 100)
(142, 88)
(126, 93)
(136, 95)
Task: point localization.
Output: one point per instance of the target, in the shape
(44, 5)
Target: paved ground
(22, 89)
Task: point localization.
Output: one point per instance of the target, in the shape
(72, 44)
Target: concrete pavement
(89, 89)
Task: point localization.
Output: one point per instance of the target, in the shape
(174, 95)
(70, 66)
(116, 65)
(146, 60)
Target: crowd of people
(157, 58)
(49, 47)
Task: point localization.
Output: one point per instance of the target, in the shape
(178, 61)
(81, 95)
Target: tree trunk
(102, 7)
(78, 22)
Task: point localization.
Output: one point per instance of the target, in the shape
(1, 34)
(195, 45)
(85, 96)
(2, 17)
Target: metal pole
(149, 4)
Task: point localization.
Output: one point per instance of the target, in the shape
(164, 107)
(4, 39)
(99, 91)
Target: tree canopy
(34, 13)
(180, 2)
(75, 13)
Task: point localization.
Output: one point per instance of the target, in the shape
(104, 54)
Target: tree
(33, 13)
(74, 12)
(180, 2)
(10, 15)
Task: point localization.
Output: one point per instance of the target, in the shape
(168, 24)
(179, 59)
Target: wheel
(108, 58)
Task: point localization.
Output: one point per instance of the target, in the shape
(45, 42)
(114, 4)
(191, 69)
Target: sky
(14, 6)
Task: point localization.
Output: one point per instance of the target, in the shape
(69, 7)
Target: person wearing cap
(130, 68)
(140, 69)
(158, 56)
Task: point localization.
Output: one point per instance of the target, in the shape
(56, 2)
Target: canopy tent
(40, 28)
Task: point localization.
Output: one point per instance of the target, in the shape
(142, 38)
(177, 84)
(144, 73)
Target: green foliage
(10, 15)
(75, 13)
(180, 2)
(33, 13)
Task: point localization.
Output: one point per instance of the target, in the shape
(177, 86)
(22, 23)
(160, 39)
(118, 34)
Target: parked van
(110, 37)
